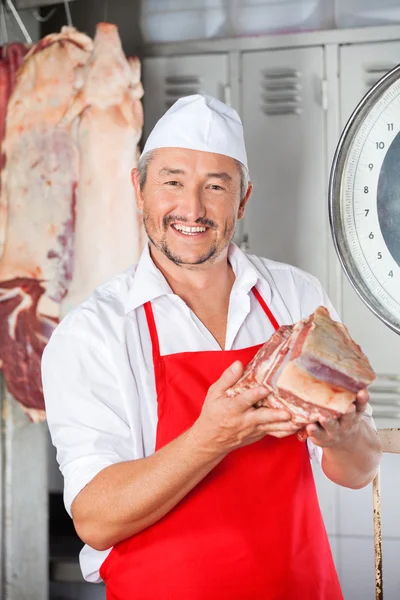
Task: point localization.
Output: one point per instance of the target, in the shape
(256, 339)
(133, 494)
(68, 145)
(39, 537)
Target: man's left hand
(330, 432)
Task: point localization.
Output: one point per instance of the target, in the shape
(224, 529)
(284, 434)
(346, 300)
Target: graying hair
(146, 159)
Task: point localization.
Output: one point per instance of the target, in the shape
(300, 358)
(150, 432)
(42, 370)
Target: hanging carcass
(38, 195)
(107, 232)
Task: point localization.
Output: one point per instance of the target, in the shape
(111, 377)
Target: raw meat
(41, 174)
(11, 58)
(38, 192)
(107, 233)
(311, 369)
(23, 334)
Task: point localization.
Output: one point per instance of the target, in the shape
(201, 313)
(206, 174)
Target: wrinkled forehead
(185, 161)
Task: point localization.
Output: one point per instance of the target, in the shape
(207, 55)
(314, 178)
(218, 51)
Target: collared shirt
(97, 368)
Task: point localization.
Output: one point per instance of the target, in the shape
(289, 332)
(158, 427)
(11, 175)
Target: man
(198, 495)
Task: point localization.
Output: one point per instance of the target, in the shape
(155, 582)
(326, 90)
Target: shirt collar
(247, 275)
(149, 283)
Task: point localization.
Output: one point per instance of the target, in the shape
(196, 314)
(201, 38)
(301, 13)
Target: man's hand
(227, 423)
(330, 432)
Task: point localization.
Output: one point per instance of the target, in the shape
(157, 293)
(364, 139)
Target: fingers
(363, 397)
(228, 378)
(315, 432)
(270, 418)
(362, 400)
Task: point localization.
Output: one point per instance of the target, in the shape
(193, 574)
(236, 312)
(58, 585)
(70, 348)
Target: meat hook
(68, 13)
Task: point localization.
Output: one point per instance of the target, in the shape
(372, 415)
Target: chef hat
(200, 123)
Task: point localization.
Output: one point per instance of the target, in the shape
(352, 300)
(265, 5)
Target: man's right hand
(227, 423)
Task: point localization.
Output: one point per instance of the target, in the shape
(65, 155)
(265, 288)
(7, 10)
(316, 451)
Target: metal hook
(68, 13)
(19, 21)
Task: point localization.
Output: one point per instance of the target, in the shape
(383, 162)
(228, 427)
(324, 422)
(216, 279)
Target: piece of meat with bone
(311, 369)
(38, 192)
(110, 120)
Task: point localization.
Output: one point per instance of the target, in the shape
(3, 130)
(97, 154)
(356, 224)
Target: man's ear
(244, 201)
(135, 176)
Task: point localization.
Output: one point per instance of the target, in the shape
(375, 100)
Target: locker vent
(281, 92)
(385, 396)
(177, 86)
(374, 73)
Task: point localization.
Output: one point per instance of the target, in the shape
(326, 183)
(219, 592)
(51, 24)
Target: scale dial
(364, 199)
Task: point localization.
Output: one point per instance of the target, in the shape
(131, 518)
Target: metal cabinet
(361, 65)
(168, 78)
(284, 122)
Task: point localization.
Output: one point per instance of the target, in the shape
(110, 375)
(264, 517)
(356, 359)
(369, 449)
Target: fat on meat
(110, 119)
(38, 193)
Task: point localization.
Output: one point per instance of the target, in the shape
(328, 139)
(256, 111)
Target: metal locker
(283, 116)
(361, 66)
(168, 78)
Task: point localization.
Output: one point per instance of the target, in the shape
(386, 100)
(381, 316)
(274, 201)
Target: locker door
(168, 78)
(286, 219)
(361, 65)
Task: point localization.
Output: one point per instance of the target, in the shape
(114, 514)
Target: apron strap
(153, 329)
(267, 311)
(153, 332)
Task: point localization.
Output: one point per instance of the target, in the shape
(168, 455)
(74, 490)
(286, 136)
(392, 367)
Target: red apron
(250, 530)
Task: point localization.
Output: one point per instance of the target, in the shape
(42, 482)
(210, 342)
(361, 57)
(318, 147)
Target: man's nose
(191, 205)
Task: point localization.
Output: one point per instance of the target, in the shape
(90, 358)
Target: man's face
(191, 203)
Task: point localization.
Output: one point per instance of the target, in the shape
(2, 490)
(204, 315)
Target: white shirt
(97, 368)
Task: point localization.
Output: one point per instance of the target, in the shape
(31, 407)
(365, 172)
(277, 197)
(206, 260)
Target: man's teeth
(189, 230)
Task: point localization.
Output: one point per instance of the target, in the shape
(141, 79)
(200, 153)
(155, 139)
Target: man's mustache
(202, 221)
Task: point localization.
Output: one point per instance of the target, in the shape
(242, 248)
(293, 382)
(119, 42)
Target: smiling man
(178, 491)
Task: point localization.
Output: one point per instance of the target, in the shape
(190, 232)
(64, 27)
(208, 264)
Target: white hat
(200, 123)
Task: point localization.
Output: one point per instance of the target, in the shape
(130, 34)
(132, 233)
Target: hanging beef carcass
(11, 58)
(38, 190)
(312, 369)
(107, 233)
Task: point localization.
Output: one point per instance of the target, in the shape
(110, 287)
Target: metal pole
(23, 504)
(19, 21)
(68, 13)
(378, 539)
(2, 488)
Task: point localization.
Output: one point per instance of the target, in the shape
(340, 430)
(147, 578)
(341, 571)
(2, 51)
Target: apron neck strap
(153, 329)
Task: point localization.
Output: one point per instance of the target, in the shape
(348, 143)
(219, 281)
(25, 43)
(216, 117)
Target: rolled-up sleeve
(85, 412)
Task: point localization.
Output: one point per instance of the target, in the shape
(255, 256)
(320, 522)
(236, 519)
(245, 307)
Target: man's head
(192, 181)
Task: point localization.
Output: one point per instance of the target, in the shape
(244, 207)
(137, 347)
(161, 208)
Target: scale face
(364, 199)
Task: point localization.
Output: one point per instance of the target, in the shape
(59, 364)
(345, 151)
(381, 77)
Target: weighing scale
(364, 211)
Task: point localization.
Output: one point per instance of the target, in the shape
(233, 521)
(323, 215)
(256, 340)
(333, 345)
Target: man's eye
(216, 187)
(172, 183)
